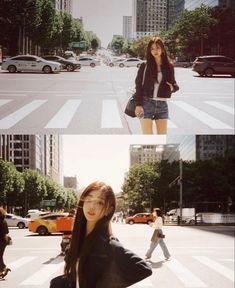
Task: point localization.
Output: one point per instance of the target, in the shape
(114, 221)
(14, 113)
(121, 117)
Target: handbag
(62, 281)
(157, 234)
(8, 240)
(130, 106)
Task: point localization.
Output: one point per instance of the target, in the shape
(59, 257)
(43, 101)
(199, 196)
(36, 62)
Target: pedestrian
(96, 259)
(157, 237)
(155, 81)
(3, 242)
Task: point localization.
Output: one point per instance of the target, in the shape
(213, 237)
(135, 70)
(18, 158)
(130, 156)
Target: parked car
(131, 62)
(17, 221)
(146, 218)
(214, 64)
(116, 62)
(184, 64)
(89, 61)
(46, 224)
(30, 63)
(68, 64)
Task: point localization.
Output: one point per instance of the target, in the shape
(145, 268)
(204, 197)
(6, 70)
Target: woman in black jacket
(95, 258)
(3, 242)
(155, 82)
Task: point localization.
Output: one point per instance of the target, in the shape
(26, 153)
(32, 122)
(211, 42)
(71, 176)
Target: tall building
(149, 17)
(64, 5)
(175, 7)
(37, 152)
(70, 182)
(127, 27)
(214, 146)
(192, 4)
(149, 153)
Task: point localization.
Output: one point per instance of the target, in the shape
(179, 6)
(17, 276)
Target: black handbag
(62, 282)
(130, 107)
(8, 240)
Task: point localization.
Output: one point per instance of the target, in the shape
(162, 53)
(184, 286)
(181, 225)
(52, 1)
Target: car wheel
(121, 65)
(42, 230)
(200, 74)
(149, 222)
(208, 72)
(92, 65)
(70, 68)
(131, 222)
(111, 65)
(46, 69)
(12, 69)
(21, 225)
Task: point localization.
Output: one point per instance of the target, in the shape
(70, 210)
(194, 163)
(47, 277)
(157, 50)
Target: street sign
(49, 203)
(80, 45)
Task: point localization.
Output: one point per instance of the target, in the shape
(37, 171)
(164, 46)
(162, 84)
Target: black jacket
(110, 265)
(147, 89)
(3, 231)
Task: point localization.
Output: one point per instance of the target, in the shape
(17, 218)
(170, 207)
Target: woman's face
(93, 207)
(156, 50)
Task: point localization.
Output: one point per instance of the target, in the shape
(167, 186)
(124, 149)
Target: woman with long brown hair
(155, 82)
(96, 259)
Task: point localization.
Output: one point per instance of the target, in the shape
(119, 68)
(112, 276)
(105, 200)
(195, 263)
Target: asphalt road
(92, 101)
(201, 257)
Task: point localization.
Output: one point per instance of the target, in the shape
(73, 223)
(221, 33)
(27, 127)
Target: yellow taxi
(46, 224)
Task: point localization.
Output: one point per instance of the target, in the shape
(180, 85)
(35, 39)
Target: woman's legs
(161, 125)
(165, 251)
(153, 245)
(2, 264)
(147, 126)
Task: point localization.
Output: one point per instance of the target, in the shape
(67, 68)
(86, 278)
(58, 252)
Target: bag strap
(144, 74)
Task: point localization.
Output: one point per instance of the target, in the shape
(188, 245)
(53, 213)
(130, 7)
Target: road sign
(80, 45)
(49, 203)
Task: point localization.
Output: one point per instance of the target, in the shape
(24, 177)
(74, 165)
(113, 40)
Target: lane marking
(184, 274)
(202, 116)
(11, 95)
(221, 269)
(42, 275)
(20, 114)
(221, 106)
(63, 117)
(4, 101)
(110, 115)
(20, 262)
(171, 124)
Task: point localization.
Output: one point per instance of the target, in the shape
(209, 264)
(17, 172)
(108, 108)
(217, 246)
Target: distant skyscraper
(70, 182)
(127, 27)
(64, 5)
(175, 7)
(214, 146)
(37, 152)
(192, 4)
(149, 17)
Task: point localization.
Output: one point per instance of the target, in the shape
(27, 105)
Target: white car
(131, 62)
(116, 62)
(30, 63)
(17, 221)
(89, 61)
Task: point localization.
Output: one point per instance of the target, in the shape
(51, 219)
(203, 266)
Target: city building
(64, 5)
(149, 17)
(70, 182)
(149, 153)
(214, 146)
(192, 4)
(175, 7)
(37, 152)
(127, 27)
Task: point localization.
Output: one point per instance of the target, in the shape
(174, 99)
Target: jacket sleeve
(175, 85)
(131, 265)
(138, 85)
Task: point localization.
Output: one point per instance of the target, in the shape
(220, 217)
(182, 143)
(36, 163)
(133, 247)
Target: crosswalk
(107, 113)
(176, 271)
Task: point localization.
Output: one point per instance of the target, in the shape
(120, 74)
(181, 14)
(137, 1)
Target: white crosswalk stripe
(223, 107)
(204, 117)
(64, 115)
(110, 115)
(221, 269)
(20, 114)
(20, 262)
(4, 101)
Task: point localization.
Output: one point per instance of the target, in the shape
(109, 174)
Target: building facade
(127, 27)
(175, 7)
(37, 152)
(70, 182)
(192, 4)
(149, 17)
(214, 146)
(64, 5)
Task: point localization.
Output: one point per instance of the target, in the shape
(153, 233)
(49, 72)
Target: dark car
(214, 64)
(185, 64)
(68, 64)
(140, 218)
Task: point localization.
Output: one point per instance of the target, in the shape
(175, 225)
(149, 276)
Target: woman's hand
(171, 86)
(138, 111)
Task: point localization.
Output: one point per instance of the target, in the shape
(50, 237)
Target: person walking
(157, 237)
(3, 242)
(96, 259)
(155, 81)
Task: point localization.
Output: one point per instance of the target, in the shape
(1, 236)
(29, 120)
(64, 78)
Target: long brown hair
(152, 70)
(81, 245)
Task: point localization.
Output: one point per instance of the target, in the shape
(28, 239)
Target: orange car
(48, 223)
(140, 218)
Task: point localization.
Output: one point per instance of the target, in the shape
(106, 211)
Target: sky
(103, 17)
(101, 157)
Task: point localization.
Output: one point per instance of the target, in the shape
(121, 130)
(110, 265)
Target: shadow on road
(156, 265)
(55, 260)
(225, 230)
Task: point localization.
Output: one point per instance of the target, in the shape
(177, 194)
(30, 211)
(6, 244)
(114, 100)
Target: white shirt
(158, 223)
(156, 87)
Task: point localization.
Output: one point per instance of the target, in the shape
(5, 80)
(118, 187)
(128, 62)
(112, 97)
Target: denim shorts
(155, 109)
